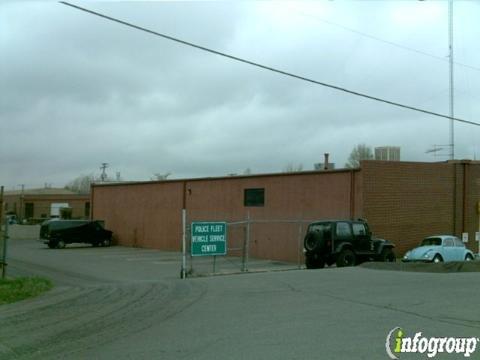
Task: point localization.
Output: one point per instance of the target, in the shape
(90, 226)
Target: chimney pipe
(325, 164)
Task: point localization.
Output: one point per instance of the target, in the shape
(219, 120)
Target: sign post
(184, 247)
(209, 238)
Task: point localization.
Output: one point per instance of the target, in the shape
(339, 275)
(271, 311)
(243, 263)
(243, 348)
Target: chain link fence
(249, 248)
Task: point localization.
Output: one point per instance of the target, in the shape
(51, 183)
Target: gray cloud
(78, 90)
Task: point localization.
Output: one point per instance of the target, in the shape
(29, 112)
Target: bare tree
(359, 152)
(81, 184)
(291, 167)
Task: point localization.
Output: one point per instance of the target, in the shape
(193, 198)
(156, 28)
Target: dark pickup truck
(344, 242)
(59, 233)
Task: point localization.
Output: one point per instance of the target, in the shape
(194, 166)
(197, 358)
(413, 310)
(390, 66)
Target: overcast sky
(77, 90)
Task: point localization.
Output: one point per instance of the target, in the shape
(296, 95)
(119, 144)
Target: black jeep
(344, 242)
(58, 233)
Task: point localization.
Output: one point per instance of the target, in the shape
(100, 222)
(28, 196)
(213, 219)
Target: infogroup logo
(397, 343)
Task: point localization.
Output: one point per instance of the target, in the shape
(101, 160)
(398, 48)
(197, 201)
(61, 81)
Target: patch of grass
(21, 288)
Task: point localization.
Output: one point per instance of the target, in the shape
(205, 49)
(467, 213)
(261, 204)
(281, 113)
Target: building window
(28, 210)
(254, 197)
(87, 209)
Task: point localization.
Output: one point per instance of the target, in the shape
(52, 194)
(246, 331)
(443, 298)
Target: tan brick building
(37, 203)
(402, 201)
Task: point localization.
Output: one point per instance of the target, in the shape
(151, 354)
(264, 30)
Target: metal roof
(42, 191)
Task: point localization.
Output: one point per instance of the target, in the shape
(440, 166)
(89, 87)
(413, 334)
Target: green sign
(209, 238)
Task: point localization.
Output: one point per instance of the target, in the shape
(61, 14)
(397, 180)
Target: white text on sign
(208, 228)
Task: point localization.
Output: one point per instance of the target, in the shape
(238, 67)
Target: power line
(232, 57)
(388, 42)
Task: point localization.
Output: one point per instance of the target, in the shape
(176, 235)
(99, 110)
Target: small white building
(388, 153)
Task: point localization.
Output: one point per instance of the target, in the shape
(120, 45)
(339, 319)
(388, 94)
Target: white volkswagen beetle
(438, 249)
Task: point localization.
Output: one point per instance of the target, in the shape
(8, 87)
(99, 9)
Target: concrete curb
(449, 267)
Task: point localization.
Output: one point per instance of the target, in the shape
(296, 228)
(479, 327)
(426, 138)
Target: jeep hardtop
(344, 243)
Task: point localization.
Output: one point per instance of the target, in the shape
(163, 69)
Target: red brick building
(402, 201)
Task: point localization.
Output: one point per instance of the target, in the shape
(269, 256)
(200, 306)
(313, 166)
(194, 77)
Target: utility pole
(450, 46)
(103, 176)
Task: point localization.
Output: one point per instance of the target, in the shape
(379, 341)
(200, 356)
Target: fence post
(189, 237)
(244, 250)
(3, 260)
(1, 206)
(247, 244)
(184, 245)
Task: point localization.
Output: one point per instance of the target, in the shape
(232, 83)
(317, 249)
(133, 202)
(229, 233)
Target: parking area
(130, 303)
(121, 263)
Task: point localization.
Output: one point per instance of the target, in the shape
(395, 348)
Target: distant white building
(388, 153)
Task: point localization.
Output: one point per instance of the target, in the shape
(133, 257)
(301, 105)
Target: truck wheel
(52, 245)
(61, 244)
(388, 255)
(468, 257)
(346, 258)
(107, 242)
(437, 259)
(312, 263)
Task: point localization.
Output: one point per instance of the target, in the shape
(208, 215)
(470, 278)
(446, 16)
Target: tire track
(85, 312)
(89, 319)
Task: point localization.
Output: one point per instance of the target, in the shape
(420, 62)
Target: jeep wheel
(312, 263)
(107, 242)
(388, 255)
(52, 245)
(61, 244)
(314, 241)
(346, 258)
